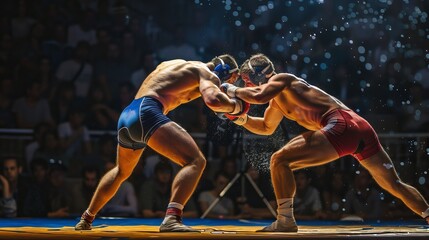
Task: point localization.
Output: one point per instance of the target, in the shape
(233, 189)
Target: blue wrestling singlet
(138, 121)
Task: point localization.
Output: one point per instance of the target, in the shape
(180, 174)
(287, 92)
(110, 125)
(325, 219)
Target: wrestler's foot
(83, 225)
(173, 223)
(85, 221)
(282, 224)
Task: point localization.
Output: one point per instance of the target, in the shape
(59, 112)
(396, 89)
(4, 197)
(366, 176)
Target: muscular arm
(213, 97)
(264, 93)
(266, 125)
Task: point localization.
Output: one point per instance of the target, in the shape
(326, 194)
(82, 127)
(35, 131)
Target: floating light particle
(368, 66)
(327, 55)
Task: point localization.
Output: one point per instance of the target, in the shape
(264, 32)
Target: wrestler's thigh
(173, 142)
(381, 167)
(308, 149)
(128, 158)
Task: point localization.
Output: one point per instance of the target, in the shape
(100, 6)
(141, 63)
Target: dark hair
(219, 174)
(39, 162)
(90, 169)
(16, 158)
(258, 67)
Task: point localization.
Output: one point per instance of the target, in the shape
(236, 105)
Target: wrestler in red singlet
(334, 131)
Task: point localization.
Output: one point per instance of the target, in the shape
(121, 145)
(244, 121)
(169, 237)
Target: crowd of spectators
(69, 67)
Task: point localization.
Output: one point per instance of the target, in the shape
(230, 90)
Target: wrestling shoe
(173, 223)
(85, 221)
(83, 225)
(282, 224)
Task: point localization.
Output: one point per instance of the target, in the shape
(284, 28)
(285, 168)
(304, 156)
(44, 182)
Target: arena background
(372, 55)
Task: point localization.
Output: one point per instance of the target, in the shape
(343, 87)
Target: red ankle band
(89, 218)
(174, 211)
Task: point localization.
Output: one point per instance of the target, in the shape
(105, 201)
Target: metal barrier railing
(407, 150)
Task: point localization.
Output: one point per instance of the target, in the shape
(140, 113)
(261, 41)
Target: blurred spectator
(131, 50)
(127, 91)
(45, 75)
(37, 141)
(124, 202)
(145, 67)
(39, 171)
(225, 207)
(22, 23)
(320, 179)
(307, 203)
(58, 202)
(18, 185)
(334, 195)
(64, 97)
(31, 109)
(105, 152)
(50, 146)
(155, 193)
(251, 204)
(100, 114)
(228, 166)
(36, 199)
(55, 46)
(83, 31)
(103, 16)
(31, 49)
(74, 135)
(52, 17)
(101, 48)
(8, 54)
(120, 20)
(114, 69)
(82, 192)
(7, 202)
(77, 70)
(7, 118)
(178, 48)
(363, 200)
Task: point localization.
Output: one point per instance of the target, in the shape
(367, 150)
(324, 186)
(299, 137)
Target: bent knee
(122, 173)
(278, 160)
(200, 162)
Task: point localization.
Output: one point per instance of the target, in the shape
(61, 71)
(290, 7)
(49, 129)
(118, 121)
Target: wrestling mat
(137, 228)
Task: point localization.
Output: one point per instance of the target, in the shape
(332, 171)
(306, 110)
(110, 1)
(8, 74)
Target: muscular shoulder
(298, 84)
(285, 79)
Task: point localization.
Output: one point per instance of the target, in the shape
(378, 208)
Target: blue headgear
(223, 71)
(259, 73)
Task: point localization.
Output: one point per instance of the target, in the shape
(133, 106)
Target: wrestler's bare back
(174, 82)
(305, 104)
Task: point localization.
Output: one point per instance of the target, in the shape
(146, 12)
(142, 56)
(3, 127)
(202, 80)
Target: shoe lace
(179, 219)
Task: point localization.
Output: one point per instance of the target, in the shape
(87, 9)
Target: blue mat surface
(70, 222)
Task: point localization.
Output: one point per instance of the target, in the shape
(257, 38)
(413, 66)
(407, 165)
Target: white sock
(425, 214)
(175, 205)
(285, 207)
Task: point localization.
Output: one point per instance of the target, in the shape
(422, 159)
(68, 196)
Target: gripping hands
(229, 89)
(239, 114)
